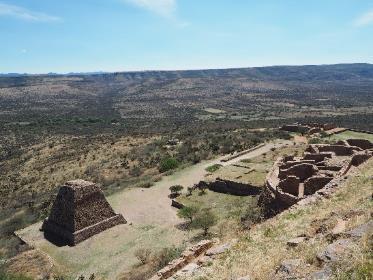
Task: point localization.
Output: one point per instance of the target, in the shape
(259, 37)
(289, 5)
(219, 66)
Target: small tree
(175, 190)
(204, 220)
(188, 212)
(143, 255)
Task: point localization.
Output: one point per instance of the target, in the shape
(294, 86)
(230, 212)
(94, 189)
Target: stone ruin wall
(310, 128)
(315, 183)
(290, 185)
(232, 187)
(310, 172)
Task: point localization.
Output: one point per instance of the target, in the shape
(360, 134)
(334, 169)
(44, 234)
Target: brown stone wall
(317, 157)
(314, 130)
(176, 204)
(186, 257)
(361, 143)
(313, 184)
(295, 128)
(231, 187)
(360, 158)
(289, 164)
(302, 171)
(290, 185)
(339, 150)
(329, 126)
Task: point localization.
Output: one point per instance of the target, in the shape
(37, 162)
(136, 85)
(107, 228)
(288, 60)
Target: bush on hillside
(167, 164)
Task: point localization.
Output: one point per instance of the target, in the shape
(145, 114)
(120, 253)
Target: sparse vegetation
(188, 212)
(204, 220)
(175, 190)
(143, 255)
(213, 168)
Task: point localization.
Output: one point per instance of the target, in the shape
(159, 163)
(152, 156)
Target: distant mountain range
(309, 72)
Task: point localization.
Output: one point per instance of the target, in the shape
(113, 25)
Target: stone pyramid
(79, 212)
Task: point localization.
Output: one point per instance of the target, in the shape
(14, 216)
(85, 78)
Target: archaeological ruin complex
(293, 178)
(79, 212)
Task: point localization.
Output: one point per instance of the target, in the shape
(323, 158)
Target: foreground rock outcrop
(79, 212)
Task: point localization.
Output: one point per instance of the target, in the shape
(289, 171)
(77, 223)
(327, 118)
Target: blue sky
(39, 36)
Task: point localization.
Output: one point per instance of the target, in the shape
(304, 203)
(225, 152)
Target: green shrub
(213, 168)
(204, 220)
(188, 212)
(168, 164)
(176, 189)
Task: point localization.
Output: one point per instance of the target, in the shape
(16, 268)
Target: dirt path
(142, 206)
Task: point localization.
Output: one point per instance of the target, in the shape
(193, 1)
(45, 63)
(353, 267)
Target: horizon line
(99, 72)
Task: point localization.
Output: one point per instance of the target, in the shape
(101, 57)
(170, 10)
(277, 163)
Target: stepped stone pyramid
(79, 212)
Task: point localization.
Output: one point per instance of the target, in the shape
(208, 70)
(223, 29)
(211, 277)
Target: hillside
(136, 134)
(264, 251)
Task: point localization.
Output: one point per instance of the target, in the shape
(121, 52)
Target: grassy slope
(259, 251)
(351, 135)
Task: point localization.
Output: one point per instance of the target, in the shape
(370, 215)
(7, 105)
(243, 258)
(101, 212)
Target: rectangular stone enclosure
(79, 212)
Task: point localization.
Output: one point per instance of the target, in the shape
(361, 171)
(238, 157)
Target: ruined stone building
(294, 178)
(309, 128)
(79, 212)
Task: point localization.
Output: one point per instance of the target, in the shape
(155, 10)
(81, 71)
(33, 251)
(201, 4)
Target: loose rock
(218, 250)
(296, 241)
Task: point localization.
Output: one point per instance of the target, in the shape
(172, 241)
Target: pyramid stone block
(79, 212)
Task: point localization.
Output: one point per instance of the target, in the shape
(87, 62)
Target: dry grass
(255, 170)
(43, 167)
(262, 249)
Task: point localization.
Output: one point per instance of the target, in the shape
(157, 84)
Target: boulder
(361, 230)
(289, 266)
(324, 274)
(188, 270)
(204, 260)
(335, 251)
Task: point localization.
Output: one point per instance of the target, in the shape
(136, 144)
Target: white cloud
(364, 19)
(24, 14)
(165, 8)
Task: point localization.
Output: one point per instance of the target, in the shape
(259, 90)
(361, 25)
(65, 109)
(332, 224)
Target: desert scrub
(213, 168)
(143, 255)
(7, 276)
